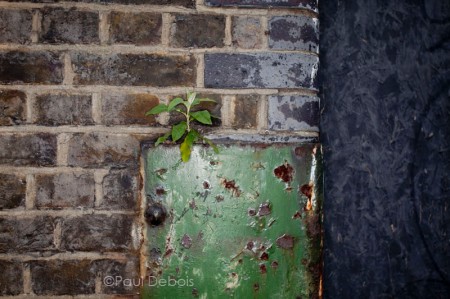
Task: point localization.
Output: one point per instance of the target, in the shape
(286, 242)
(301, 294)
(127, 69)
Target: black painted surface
(385, 72)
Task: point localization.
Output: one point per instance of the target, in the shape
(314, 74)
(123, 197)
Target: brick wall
(75, 81)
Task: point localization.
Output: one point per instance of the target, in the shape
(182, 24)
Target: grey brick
(308, 4)
(247, 32)
(294, 33)
(15, 26)
(294, 113)
(12, 191)
(65, 190)
(13, 107)
(120, 190)
(11, 277)
(135, 28)
(265, 70)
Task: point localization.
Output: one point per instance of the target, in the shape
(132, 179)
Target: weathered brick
(120, 190)
(246, 112)
(308, 4)
(294, 113)
(13, 107)
(128, 109)
(247, 32)
(184, 3)
(11, 277)
(63, 109)
(15, 26)
(135, 28)
(294, 33)
(134, 69)
(56, 277)
(69, 26)
(189, 31)
(31, 67)
(12, 191)
(121, 269)
(102, 149)
(264, 70)
(65, 190)
(97, 233)
(28, 149)
(214, 109)
(26, 235)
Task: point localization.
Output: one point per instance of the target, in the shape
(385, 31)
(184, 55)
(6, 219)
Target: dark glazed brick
(103, 150)
(134, 69)
(97, 233)
(127, 269)
(12, 191)
(135, 28)
(294, 113)
(294, 33)
(247, 32)
(11, 277)
(26, 235)
(65, 190)
(63, 109)
(214, 109)
(266, 70)
(308, 4)
(28, 149)
(198, 31)
(128, 109)
(31, 67)
(12, 107)
(56, 277)
(69, 26)
(15, 26)
(246, 112)
(120, 190)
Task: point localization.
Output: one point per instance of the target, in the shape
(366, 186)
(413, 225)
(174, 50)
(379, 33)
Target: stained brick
(134, 69)
(213, 107)
(308, 4)
(15, 26)
(101, 150)
(246, 112)
(56, 277)
(26, 235)
(265, 70)
(65, 190)
(128, 109)
(11, 278)
(12, 191)
(69, 26)
(97, 233)
(28, 149)
(135, 28)
(125, 269)
(120, 190)
(189, 31)
(63, 109)
(12, 107)
(294, 113)
(247, 32)
(294, 33)
(31, 67)
(184, 3)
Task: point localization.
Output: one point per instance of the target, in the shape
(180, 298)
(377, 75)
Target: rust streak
(231, 185)
(284, 172)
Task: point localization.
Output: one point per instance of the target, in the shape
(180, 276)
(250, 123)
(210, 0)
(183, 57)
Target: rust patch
(264, 256)
(284, 172)
(186, 241)
(285, 242)
(160, 191)
(250, 245)
(264, 209)
(206, 185)
(251, 212)
(274, 264)
(193, 205)
(231, 185)
(219, 198)
(262, 268)
(297, 215)
(307, 190)
(256, 286)
(168, 252)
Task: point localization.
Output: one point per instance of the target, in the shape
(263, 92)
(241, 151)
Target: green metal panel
(244, 223)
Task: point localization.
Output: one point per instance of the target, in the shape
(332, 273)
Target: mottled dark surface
(12, 107)
(310, 4)
(135, 28)
(385, 71)
(12, 191)
(11, 277)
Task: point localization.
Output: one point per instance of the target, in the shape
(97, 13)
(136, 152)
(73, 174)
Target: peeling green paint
(244, 223)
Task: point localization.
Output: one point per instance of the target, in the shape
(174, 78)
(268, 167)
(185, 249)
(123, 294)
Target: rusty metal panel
(244, 223)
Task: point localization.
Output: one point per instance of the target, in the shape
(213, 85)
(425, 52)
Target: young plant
(183, 130)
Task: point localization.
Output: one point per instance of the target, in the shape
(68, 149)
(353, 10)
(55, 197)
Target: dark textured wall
(385, 77)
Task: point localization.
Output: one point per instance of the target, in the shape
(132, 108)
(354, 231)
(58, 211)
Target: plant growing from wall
(183, 131)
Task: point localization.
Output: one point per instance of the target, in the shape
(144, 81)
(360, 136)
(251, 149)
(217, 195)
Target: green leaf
(214, 147)
(157, 109)
(174, 103)
(162, 139)
(191, 97)
(186, 146)
(202, 116)
(198, 101)
(178, 130)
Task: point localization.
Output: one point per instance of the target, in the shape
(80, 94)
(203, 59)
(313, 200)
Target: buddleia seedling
(182, 131)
